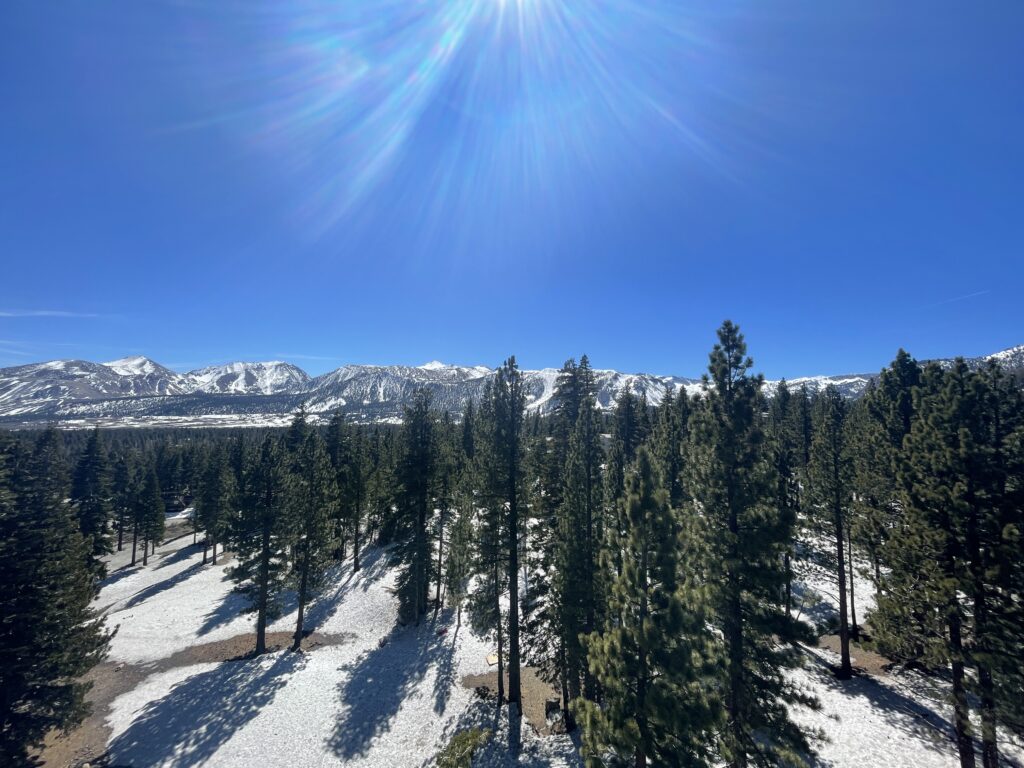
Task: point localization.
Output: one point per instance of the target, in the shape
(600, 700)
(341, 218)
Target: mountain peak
(135, 365)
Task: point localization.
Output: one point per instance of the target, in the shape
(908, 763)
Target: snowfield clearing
(361, 702)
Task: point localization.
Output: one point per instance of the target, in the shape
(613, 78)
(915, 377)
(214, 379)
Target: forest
(641, 558)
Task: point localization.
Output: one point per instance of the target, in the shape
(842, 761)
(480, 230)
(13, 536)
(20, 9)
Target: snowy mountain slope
(240, 378)
(137, 391)
(150, 377)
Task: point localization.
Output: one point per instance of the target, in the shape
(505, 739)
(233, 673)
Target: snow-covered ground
(358, 703)
(391, 705)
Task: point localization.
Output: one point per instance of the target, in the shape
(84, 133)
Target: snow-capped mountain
(149, 377)
(138, 391)
(269, 378)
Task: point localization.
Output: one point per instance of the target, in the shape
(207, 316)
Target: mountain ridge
(138, 391)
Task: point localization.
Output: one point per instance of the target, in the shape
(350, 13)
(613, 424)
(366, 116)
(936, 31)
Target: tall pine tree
(653, 657)
(49, 636)
(730, 482)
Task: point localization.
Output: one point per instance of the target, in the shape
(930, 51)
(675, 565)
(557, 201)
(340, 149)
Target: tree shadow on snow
(379, 681)
(200, 714)
(233, 605)
(162, 586)
(178, 555)
(121, 573)
(322, 607)
(913, 717)
(444, 677)
(811, 606)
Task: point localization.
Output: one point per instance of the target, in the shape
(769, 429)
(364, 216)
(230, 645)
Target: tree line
(644, 559)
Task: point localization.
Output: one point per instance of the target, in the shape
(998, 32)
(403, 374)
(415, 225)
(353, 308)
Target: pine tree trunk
(877, 565)
(989, 743)
(213, 559)
(640, 760)
(854, 632)
(961, 710)
(145, 551)
(440, 554)
(589, 683)
(303, 587)
(788, 564)
(733, 631)
(264, 586)
(501, 662)
(986, 688)
(514, 689)
(135, 539)
(845, 671)
(355, 537)
(120, 530)
(566, 696)
(206, 547)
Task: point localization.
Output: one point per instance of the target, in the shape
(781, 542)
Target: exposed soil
(87, 744)
(535, 693)
(861, 658)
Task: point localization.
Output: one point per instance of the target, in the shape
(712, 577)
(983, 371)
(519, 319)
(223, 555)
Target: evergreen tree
(122, 500)
(149, 514)
(784, 446)
(416, 476)
(882, 422)
(730, 481)
(490, 561)
(671, 430)
(577, 599)
(49, 636)
(653, 656)
(261, 542)
(216, 501)
(949, 599)
(830, 476)
(312, 497)
(508, 406)
(459, 559)
(91, 496)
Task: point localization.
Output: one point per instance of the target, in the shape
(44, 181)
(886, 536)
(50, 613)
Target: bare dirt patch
(535, 692)
(87, 744)
(861, 658)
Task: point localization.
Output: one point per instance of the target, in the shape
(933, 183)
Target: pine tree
(150, 514)
(312, 499)
(416, 476)
(49, 636)
(509, 404)
(577, 606)
(490, 561)
(91, 496)
(783, 446)
(830, 478)
(730, 481)
(881, 423)
(216, 501)
(653, 656)
(122, 500)
(261, 541)
(949, 596)
(671, 430)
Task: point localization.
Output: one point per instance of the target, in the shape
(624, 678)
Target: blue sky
(389, 182)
